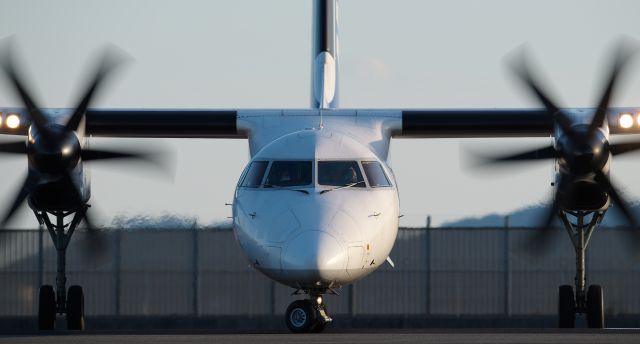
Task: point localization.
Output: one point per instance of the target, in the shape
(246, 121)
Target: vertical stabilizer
(324, 72)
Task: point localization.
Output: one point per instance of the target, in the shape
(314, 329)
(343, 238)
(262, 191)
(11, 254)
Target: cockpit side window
(289, 173)
(375, 174)
(253, 178)
(340, 173)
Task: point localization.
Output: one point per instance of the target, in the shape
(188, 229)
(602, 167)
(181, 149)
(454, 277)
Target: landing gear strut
(61, 301)
(584, 301)
(307, 316)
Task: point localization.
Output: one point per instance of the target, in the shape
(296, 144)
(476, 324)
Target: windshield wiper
(342, 187)
(282, 188)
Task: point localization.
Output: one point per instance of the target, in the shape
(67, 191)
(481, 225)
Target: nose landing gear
(307, 316)
(589, 301)
(60, 300)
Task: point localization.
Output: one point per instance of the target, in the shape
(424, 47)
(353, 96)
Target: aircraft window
(375, 174)
(289, 173)
(340, 173)
(253, 178)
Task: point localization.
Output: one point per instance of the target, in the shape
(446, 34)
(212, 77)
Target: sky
(256, 54)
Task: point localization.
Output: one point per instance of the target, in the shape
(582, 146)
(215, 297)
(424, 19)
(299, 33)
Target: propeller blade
(96, 154)
(89, 222)
(107, 64)
(96, 247)
(522, 70)
(541, 239)
(617, 198)
(622, 57)
(156, 159)
(536, 154)
(626, 147)
(19, 198)
(16, 147)
(6, 63)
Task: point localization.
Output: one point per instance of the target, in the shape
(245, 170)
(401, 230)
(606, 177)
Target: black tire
(595, 307)
(319, 327)
(320, 324)
(301, 316)
(75, 308)
(566, 307)
(46, 308)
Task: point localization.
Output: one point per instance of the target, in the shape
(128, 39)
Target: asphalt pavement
(448, 336)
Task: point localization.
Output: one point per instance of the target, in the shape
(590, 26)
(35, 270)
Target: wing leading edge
(163, 123)
(504, 122)
(408, 123)
(475, 123)
(169, 123)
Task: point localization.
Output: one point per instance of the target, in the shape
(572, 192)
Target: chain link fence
(444, 272)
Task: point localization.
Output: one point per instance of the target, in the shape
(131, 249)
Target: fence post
(506, 267)
(116, 271)
(427, 239)
(195, 272)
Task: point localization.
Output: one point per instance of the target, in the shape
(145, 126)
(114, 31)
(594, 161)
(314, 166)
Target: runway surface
(490, 336)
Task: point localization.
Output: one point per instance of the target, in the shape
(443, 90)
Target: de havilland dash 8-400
(317, 206)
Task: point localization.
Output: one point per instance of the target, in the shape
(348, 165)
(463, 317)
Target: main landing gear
(307, 316)
(584, 301)
(61, 300)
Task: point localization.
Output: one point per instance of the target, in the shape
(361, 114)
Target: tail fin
(324, 73)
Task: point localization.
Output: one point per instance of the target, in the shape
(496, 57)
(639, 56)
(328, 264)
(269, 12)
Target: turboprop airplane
(317, 206)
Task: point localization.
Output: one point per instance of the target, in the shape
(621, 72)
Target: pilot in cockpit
(350, 176)
(285, 177)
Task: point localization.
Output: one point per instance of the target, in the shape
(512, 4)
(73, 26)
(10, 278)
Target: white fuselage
(304, 236)
(297, 213)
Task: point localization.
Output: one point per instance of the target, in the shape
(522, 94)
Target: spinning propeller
(583, 150)
(55, 149)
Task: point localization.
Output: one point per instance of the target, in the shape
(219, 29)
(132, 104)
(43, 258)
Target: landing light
(319, 300)
(626, 120)
(13, 121)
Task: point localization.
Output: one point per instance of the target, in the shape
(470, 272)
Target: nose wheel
(307, 316)
(569, 306)
(75, 308)
(47, 309)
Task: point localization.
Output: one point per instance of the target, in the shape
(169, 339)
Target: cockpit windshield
(254, 174)
(340, 173)
(289, 173)
(375, 174)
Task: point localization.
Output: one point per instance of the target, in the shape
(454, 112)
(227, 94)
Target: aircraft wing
(408, 123)
(475, 123)
(502, 122)
(171, 123)
(163, 123)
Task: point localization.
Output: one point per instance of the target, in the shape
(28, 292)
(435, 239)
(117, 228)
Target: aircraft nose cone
(315, 256)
